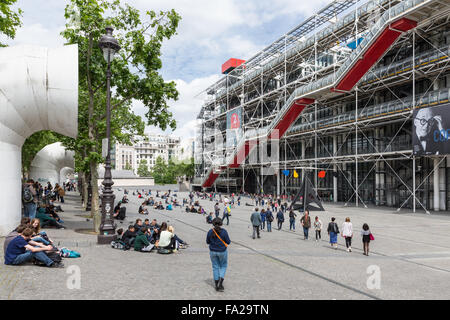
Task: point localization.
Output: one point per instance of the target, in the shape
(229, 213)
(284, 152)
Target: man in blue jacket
(280, 219)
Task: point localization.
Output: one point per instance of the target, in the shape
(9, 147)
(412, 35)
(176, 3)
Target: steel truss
(261, 87)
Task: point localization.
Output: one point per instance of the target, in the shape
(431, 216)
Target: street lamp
(109, 46)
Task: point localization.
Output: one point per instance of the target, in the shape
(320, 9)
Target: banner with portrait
(234, 127)
(431, 131)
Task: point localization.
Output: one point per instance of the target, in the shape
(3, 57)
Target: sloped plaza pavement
(410, 259)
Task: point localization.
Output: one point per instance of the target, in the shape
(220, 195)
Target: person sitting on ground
(196, 204)
(24, 221)
(166, 239)
(117, 207)
(129, 236)
(193, 209)
(142, 210)
(14, 234)
(201, 210)
(119, 234)
(209, 218)
(22, 249)
(141, 242)
(155, 230)
(120, 214)
(179, 244)
(169, 207)
(138, 225)
(38, 235)
(47, 220)
(159, 206)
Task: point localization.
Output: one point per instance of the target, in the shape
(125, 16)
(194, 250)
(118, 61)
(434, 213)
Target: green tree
(142, 170)
(9, 19)
(135, 76)
(128, 166)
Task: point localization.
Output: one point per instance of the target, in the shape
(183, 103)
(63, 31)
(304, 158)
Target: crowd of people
(28, 243)
(144, 236)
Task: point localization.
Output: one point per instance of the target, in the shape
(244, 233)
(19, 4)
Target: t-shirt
(164, 238)
(15, 248)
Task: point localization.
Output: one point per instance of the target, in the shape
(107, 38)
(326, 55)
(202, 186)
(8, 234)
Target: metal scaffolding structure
(353, 115)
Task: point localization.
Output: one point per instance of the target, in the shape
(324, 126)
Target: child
(318, 228)
(209, 218)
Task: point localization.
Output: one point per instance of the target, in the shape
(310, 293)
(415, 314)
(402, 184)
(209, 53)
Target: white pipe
(49, 161)
(38, 91)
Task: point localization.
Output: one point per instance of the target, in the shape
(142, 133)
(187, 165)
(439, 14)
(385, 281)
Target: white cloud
(184, 110)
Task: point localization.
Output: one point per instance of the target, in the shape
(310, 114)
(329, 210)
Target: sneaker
(349, 249)
(57, 265)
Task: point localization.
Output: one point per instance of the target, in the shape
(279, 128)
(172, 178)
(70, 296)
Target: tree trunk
(95, 212)
(84, 189)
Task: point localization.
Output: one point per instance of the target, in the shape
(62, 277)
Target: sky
(210, 32)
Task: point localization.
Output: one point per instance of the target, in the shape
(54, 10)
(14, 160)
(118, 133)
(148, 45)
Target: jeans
(291, 224)
(269, 226)
(280, 224)
(27, 256)
(318, 235)
(305, 232)
(228, 219)
(42, 240)
(263, 226)
(29, 210)
(255, 230)
(219, 261)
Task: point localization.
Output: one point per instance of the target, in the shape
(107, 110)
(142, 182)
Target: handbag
(226, 245)
(371, 237)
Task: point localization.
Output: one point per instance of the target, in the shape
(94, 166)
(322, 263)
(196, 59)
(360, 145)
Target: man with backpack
(29, 199)
(269, 219)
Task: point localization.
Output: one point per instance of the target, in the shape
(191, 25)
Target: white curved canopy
(49, 161)
(38, 91)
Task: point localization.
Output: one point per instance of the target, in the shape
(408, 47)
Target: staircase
(376, 42)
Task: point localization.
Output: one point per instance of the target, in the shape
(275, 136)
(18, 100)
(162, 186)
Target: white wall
(38, 91)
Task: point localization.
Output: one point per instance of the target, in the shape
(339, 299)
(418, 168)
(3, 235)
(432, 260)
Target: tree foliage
(170, 173)
(134, 71)
(9, 19)
(142, 170)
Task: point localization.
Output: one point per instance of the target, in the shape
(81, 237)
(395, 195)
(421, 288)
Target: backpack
(270, 217)
(164, 251)
(55, 256)
(335, 228)
(27, 196)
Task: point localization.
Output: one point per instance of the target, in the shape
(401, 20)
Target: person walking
(366, 237)
(217, 210)
(292, 216)
(218, 241)
(269, 219)
(318, 228)
(263, 219)
(280, 219)
(226, 214)
(306, 224)
(347, 233)
(255, 219)
(333, 231)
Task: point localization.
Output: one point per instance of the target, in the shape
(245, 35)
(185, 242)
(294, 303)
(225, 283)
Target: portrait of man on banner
(431, 131)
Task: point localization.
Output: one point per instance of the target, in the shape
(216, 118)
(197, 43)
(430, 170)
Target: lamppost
(109, 46)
